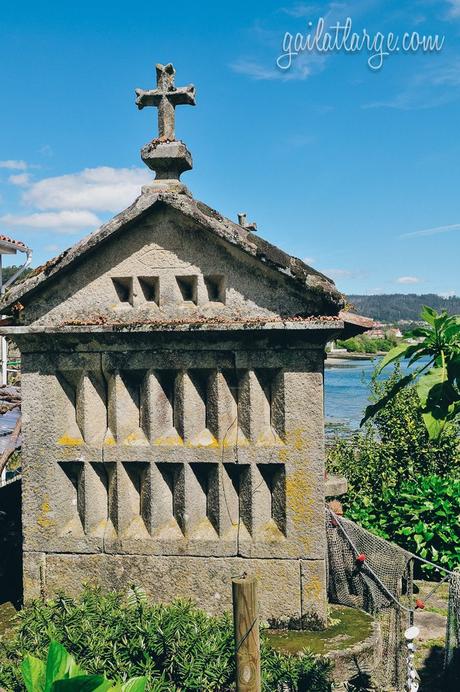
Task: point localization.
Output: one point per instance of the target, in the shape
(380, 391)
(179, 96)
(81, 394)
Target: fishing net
(380, 584)
(452, 651)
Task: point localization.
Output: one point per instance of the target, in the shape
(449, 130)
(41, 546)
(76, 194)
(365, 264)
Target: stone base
(288, 589)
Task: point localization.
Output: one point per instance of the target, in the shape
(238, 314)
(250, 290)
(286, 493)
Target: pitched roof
(197, 213)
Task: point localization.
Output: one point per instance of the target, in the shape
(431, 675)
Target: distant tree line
(398, 306)
(9, 271)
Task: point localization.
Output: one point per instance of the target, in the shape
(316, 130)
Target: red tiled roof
(17, 243)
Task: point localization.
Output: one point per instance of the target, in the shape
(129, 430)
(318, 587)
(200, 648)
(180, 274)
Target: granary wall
(176, 463)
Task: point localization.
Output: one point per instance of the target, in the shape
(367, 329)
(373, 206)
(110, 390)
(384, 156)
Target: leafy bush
(423, 517)
(176, 646)
(60, 673)
(393, 456)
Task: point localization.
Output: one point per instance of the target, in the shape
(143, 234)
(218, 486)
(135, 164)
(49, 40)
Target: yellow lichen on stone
(169, 440)
(43, 519)
(70, 441)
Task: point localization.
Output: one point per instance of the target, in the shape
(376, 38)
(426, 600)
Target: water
(346, 390)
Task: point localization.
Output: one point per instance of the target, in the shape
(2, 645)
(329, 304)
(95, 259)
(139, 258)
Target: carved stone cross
(166, 97)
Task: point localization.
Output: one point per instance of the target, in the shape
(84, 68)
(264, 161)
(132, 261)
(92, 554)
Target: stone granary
(172, 375)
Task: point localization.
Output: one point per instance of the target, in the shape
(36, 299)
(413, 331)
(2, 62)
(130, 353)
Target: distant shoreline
(353, 356)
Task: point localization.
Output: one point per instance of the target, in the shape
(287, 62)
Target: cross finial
(166, 97)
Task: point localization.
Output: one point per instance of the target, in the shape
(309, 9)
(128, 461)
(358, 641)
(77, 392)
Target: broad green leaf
(58, 663)
(134, 685)
(83, 683)
(429, 315)
(417, 332)
(434, 426)
(33, 674)
(395, 353)
(436, 376)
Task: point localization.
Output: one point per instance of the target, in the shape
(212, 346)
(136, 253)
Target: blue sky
(355, 170)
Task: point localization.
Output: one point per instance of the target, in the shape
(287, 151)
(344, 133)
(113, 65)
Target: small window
(124, 289)
(150, 286)
(188, 287)
(215, 286)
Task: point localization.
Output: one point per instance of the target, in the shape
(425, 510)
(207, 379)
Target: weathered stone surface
(336, 485)
(166, 578)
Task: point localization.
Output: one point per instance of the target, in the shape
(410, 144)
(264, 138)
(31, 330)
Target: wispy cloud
(59, 221)
(301, 9)
(454, 8)
(408, 280)
(14, 165)
(309, 260)
(304, 66)
(432, 231)
(432, 86)
(19, 179)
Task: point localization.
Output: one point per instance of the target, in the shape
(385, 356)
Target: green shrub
(177, 646)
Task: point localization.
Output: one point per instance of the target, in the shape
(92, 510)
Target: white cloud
(99, 189)
(309, 260)
(65, 221)
(408, 280)
(432, 231)
(19, 179)
(14, 165)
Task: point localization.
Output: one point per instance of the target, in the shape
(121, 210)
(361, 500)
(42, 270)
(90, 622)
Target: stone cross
(166, 97)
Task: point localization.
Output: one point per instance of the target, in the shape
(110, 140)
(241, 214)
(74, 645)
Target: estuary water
(346, 390)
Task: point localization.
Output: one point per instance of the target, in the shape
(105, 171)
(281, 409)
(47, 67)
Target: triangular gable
(318, 292)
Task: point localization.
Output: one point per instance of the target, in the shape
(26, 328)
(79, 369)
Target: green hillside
(399, 306)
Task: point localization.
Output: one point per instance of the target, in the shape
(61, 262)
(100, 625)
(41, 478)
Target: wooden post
(247, 644)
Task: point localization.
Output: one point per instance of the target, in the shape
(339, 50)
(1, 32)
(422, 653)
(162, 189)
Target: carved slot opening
(123, 286)
(137, 494)
(215, 286)
(150, 286)
(188, 286)
(68, 427)
(99, 488)
(73, 498)
(172, 494)
(91, 407)
(206, 498)
(237, 497)
(165, 411)
(132, 379)
(271, 405)
(274, 494)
